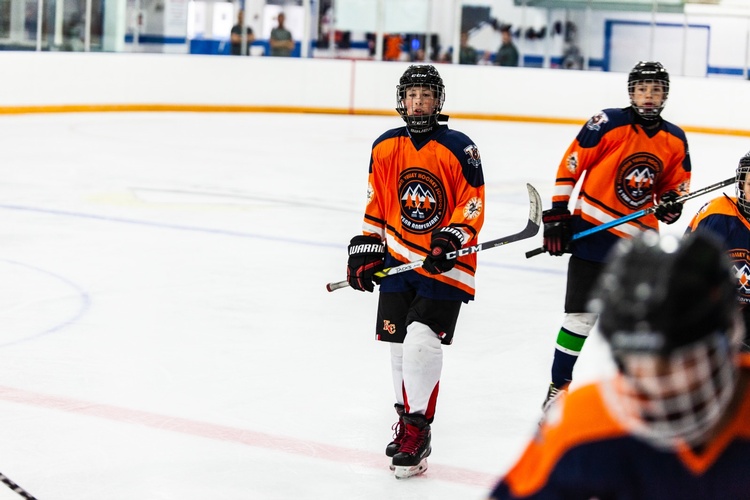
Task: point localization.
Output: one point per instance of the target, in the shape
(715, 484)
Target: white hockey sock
(422, 364)
(397, 363)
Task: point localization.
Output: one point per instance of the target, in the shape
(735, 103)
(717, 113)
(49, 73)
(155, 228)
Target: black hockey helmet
(422, 75)
(658, 294)
(742, 169)
(669, 313)
(648, 72)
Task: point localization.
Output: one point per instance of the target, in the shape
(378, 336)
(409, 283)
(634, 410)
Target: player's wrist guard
(668, 211)
(444, 240)
(366, 257)
(557, 230)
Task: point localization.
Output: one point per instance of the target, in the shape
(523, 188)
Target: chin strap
(426, 130)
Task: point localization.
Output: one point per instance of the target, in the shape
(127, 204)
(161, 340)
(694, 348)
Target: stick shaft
(13, 486)
(638, 214)
(531, 229)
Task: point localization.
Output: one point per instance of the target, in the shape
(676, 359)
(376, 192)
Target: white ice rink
(165, 332)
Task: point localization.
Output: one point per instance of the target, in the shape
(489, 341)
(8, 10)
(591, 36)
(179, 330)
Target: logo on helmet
(635, 179)
(637, 341)
(422, 199)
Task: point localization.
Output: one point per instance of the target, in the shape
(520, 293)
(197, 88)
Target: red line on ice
(217, 432)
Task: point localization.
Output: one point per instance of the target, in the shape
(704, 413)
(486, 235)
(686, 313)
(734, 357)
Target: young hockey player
(626, 160)
(674, 421)
(729, 219)
(425, 198)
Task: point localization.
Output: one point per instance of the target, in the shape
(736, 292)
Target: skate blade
(402, 471)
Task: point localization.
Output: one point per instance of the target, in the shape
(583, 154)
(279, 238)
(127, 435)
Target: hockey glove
(444, 240)
(557, 230)
(668, 211)
(366, 257)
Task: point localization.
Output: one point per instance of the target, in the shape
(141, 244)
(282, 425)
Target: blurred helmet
(422, 75)
(742, 170)
(669, 314)
(648, 72)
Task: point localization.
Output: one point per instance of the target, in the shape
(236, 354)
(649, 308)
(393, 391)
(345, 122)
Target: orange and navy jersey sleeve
(579, 419)
(414, 190)
(722, 218)
(583, 452)
(621, 168)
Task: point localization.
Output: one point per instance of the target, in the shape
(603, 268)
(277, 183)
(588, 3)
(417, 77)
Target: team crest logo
(389, 327)
(596, 121)
(473, 208)
(370, 193)
(571, 162)
(635, 179)
(422, 199)
(473, 153)
(740, 258)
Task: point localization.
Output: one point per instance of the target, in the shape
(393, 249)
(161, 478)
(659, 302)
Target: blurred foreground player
(425, 198)
(625, 160)
(728, 218)
(674, 422)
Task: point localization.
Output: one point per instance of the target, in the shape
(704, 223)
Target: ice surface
(165, 332)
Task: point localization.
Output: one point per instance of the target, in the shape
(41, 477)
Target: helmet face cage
(677, 398)
(423, 76)
(654, 75)
(742, 169)
(668, 310)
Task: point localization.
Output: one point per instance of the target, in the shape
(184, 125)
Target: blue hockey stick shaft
(637, 215)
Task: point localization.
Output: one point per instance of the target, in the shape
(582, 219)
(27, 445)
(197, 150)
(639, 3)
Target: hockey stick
(532, 227)
(13, 486)
(638, 214)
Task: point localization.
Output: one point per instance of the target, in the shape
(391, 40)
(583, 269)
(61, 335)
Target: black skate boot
(398, 432)
(553, 394)
(411, 458)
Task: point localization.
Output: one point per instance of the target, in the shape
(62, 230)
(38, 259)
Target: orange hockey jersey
(416, 189)
(583, 452)
(721, 217)
(624, 169)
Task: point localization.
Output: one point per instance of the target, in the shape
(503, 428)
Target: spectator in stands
(393, 45)
(235, 37)
(507, 54)
(419, 55)
(468, 54)
(281, 41)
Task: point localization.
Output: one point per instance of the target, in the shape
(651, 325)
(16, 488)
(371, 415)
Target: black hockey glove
(557, 230)
(444, 240)
(668, 211)
(366, 257)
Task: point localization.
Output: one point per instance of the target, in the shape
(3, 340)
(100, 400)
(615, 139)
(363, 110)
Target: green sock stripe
(570, 341)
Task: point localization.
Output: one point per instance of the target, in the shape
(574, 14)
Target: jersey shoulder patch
(600, 124)
(466, 152)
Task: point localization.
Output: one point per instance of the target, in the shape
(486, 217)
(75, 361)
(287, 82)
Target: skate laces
(413, 439)
(398, 431)
(553, 394)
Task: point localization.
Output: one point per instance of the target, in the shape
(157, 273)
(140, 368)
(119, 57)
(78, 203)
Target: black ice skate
(411, 458)
(553, 394)
(398, 433)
